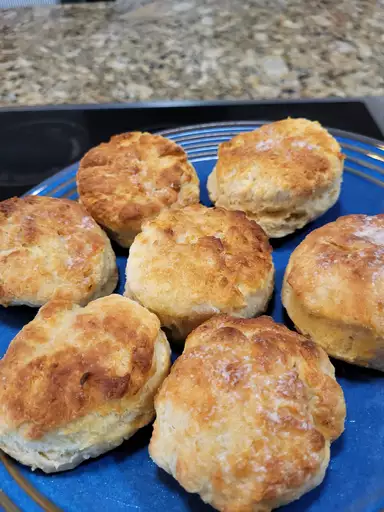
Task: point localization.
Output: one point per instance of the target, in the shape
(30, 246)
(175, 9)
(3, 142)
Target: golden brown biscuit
(334, 289)
(246, 416)
(76, 382)
(282, 175)
(131, 179)
(192, 263)
(52, 247)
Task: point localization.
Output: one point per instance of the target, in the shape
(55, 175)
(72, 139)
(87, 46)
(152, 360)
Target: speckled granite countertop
(132, 50)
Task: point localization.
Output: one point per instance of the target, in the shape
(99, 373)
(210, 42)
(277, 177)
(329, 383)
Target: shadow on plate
(337, 446)
(191, 501)
(118, 250)
(292, 241)
(355, 373)
(15, 317)
(136, 443)
(287, 321)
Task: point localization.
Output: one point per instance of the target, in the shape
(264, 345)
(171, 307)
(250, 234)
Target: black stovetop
(37, 142)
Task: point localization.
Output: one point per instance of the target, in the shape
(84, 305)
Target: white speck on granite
(274, 66)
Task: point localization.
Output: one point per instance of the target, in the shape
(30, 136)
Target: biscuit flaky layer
(195, 262)
(283, 175)
(75, 382)
(246, 416)
(52, 248)
(131, 179)
(334, 288)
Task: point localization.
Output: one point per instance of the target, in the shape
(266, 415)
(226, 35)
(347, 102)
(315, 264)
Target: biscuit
(52, 248)
(190, 264)
(282, 175)
(247, 414)
(131, 179)
(334, 289)
(75, 382)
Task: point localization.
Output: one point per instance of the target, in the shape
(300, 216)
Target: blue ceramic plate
(125, 479)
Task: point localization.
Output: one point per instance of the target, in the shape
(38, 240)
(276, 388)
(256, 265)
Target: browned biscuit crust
(282, 175)
(334, 288)
(79, 380)
(246, 416)
(132, 178)
(192, 263)
(52, 248)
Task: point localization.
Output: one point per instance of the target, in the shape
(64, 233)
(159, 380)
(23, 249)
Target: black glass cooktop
(38, 142)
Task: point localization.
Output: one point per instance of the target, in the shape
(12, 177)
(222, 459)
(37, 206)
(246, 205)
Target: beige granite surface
(139, 50)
